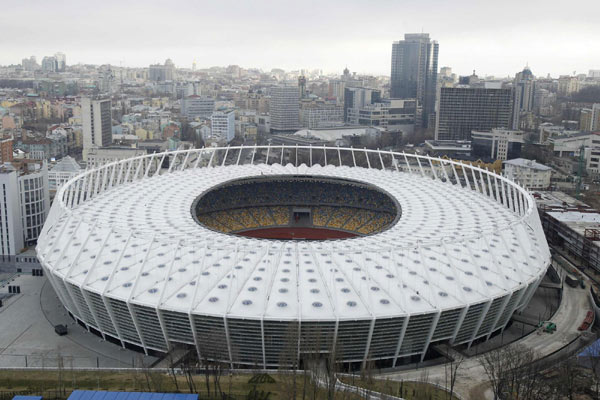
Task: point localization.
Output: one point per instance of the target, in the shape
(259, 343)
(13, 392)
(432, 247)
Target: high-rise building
(336, 90)
(464, 109)
(524, 90)
(223, 125)
(195, 106)
(414, 71)
(589, 120)
(24, 204)
(11, 228)
(96, 119)
(49, 64)
(359, 97)
(61, 62)
(30, 64)
(284, 109)
(34, 198)
(302, 86)
(567, 85)
(161, 73)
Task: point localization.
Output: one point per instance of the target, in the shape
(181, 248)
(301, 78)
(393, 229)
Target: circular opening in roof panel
(296, 207)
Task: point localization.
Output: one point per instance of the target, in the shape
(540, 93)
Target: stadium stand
(260, 203)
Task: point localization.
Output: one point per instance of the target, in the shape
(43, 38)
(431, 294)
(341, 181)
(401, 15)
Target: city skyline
(262, 35)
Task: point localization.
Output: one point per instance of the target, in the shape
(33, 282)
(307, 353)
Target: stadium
(268, 255)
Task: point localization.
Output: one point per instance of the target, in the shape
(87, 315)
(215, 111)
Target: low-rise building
(571, 227)
(528, 173)
(103, 155)
(460, 149)
(497, 144)
(61, 172)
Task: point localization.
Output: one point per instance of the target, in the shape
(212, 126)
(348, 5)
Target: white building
(322, 117)
(285, 108)
(528, 173)
(34, 199)
(497, 144)
(197, 106)
(24, 203)
(96, 118)
(223, 125)
(105, 155)
(62, 171)
(11, 226)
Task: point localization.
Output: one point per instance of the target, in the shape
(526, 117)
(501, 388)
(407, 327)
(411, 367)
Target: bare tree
(511, 369)
(451, 373)
(171, 370)
(289, 360)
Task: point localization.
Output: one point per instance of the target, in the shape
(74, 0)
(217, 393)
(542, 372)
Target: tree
(451, 373)
(511, 371)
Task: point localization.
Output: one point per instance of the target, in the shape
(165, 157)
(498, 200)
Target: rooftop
(525, 163)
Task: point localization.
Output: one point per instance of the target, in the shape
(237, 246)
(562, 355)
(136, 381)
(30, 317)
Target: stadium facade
(133, 257)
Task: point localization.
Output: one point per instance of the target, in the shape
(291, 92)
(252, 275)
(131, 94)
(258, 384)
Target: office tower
(302, 86)
(106, 79)
(195, 106)
(30, 64)
(161, 73)
(61, 62)
(524, 90)
(589, 120)
(414, 71)
(24, 204)
(11, 228)
(96, 118)
(567, 85)
(463, 109)
(34, 198)
(223, 125)
(358, 97)
(336, 90)
(49, 64)
(285, 109)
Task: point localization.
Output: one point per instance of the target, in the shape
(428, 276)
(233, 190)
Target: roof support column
(368, 346)
(400, 339)
(484, 312)
(461, 318)
(434, 323)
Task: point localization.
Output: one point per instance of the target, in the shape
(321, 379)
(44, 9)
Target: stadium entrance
(296, 208)
(301, 217)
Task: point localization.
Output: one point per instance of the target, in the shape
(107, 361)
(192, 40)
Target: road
(471, 380)
(27, 335)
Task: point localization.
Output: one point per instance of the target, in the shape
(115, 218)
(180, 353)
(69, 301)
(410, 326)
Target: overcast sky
(498, 38)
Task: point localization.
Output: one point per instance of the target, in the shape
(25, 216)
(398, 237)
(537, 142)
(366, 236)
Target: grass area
(58, 385)
(406, 390)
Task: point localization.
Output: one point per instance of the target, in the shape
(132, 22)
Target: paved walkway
(27, 335)
(472, 380)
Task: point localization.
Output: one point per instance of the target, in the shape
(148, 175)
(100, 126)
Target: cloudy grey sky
(497, 37)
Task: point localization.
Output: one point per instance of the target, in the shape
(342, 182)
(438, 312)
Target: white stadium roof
(138, 242)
